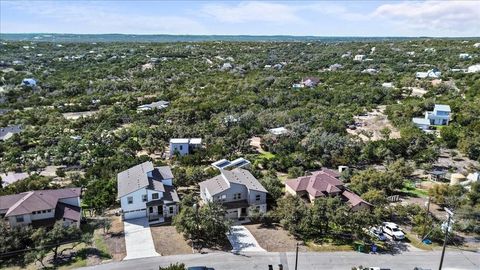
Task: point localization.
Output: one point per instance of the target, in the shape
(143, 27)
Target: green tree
(177, 266)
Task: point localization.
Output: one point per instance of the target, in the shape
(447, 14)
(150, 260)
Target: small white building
(29, 82)
(359, 57)
(159, 105)
(433, 73)
(387, 85)
(278, 131)
(473, 69)
(476, 45)
(184, 146)
(464, 56)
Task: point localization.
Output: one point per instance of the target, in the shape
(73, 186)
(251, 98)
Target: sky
(446, 18)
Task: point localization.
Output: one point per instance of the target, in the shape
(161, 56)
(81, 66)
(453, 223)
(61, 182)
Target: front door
(244, 212)
(160, 210)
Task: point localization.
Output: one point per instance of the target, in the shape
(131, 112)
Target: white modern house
(184, 146)
(359, 57)
(464, 56)
(237, 190)
(224, 164)
(42, 208)
(440, 116)
(433, 73)
(147, 191)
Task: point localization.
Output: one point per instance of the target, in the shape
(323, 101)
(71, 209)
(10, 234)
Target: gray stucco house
(237, 190)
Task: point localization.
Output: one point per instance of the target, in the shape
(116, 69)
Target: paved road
(242, 240)
(454, 260)
(138, 239)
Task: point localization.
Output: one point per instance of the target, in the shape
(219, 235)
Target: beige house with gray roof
(237, 190)
(147, 191)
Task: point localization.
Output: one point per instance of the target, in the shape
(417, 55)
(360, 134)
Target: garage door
(232, 214)
(135, 214)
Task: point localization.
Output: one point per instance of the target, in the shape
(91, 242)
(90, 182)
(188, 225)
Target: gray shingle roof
(7, 132)
(239, 176)
(134, 178)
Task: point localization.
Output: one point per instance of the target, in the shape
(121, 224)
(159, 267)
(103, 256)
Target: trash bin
(360, 248)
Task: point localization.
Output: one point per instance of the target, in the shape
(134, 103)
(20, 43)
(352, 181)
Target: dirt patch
(368, 126)
(274, 238)
(77, 115)
(168, 241)
(115, 239)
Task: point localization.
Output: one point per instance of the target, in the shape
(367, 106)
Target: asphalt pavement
(454, 260)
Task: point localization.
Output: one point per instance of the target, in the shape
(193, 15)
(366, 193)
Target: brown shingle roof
(27, 202)
(319, 183)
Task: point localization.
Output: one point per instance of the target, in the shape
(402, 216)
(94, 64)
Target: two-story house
(183, 146)
(42, 207)
(440, 116)
(147, 191)
(237, 190)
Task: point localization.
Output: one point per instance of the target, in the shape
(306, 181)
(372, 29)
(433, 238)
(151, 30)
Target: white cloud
(457, 17)
(252, 12)
(92, 17)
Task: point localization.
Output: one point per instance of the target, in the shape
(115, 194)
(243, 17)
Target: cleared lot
(274, 238)
(168, 241)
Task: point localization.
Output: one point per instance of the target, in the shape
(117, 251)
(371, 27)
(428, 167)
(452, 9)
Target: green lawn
(266, 155)
(410, 189)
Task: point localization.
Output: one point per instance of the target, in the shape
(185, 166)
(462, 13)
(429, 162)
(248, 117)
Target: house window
(181, 147)
(154, 196)
(44, 211)
(19, 219)
(171, 210)
(144, 197)
(130, 200)
(49, 210)
(222, 197)
(257, 197)
(237, 196)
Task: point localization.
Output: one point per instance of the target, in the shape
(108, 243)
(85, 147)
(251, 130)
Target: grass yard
(410, 190)
(266, 155)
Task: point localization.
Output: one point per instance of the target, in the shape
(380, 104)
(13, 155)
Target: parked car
(199, 268)
(391, 229)
(378, 233)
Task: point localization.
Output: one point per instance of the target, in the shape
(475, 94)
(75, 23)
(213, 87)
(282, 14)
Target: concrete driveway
(138, 239)
(242, 240)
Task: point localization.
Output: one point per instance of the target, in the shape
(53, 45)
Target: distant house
(433, 73)
(7, 132)
(310, 81)
(42, 208)
(430, 50)
(476, 45)
(160, 105)
(278, 131)
(464, 56)
(334, 67)
(237, 190)
(473, 69)
(298, 85)
(324, 183)
(29, 82)
(370, 71)
(359, 57)
(224, 164)
(145, 191)
(387, 85)
(184, 146)
(11, 177)
(440, 116)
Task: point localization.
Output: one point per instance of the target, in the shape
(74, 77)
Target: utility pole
(449, 214)
(426, 218)
(296, 257)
